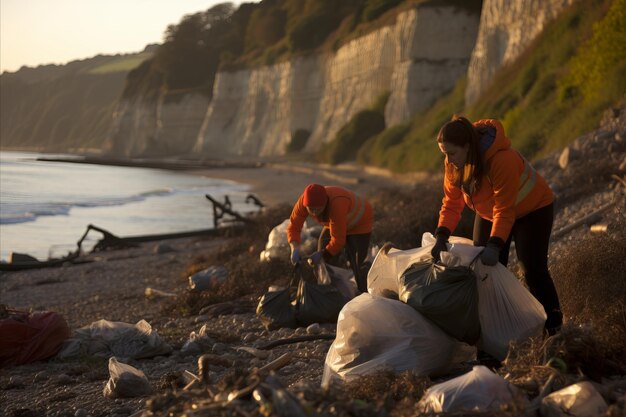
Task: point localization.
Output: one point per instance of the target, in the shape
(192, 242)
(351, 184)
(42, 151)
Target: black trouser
(356, 250)
(532, 237)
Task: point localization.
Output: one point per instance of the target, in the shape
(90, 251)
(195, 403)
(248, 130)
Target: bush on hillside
(374, 8)
(352, 136)
(602, 57)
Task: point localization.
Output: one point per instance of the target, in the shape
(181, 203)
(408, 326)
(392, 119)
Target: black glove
(491, 254)
(441, 245)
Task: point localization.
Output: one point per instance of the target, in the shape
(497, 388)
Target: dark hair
(459, 131)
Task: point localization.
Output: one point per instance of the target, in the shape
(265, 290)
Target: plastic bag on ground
(376, 333)
(577, 400)
(445, 295)
(389, 264)
(478, 390)
(125, 381)
(507, 310)
(28, 337)
(113, 338)
(208, 278)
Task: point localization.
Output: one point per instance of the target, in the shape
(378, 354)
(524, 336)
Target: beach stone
(201, 319)
(63, 379)
(249, 337)
(313, 329)
(218, 348)
(41, 376)
(162, 248)
(81, 412)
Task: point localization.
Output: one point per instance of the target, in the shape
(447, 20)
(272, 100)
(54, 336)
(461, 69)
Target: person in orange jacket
(347, 220)
(510, 199)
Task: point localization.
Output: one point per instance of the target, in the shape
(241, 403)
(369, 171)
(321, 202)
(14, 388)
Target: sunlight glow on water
(45, 207)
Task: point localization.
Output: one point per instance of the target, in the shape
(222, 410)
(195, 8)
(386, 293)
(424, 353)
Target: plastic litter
(577, 400)
(125, 381)
(277, 246)
(113, 338)
(197, 342)
(208, 278)
(375, 333)
(478, 390)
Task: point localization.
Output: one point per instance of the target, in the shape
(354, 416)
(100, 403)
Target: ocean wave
(14, 212)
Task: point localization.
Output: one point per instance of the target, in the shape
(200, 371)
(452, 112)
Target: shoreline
(273, 181)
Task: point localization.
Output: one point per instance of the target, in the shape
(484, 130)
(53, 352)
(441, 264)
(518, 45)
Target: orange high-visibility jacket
(345, 214)
(510, 187)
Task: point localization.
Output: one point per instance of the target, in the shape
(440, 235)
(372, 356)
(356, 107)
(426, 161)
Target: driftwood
(221, 209)
(590, 218)
(296, 339)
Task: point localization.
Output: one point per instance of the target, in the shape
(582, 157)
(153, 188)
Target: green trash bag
(448, 296)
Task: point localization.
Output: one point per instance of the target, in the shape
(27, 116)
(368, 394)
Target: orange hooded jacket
(345, 214)
(510, 187)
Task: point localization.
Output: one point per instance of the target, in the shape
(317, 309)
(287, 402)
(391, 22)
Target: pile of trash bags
(303, 302)
(429, 317)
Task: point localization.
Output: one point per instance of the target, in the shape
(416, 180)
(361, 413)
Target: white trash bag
(277, 246)
(125, 381)
(383, 276)
(507, 310)
(376, 333)
(478, 390)
(577, 400)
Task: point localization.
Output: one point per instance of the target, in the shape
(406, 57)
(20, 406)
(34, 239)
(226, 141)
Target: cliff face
(506, 29)
(255, 112)
(169, 126)
(416, 60)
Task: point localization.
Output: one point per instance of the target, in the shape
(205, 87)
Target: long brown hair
(459, 131)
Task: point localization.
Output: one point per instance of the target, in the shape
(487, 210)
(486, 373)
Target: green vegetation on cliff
(63, 107)
(224, 38)
(554, 92)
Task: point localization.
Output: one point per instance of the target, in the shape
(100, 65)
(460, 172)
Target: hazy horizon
(41, 32)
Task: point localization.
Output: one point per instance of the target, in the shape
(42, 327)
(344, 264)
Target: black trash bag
(448, 296)
(276, 311)
(318, 303)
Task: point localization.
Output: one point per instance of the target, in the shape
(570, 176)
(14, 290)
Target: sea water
(45, 207)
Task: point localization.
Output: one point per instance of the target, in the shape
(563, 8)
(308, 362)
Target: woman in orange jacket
(510, 199)
(347, 221)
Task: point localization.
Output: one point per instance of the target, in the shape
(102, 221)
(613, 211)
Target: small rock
(300, 331)
(41, 376)
(81, 412)
(162, 248)
(201, 319)
(63, 379)
(218, 348)
(249, 337)
(313, 329)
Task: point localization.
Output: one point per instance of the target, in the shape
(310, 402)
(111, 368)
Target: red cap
(314, 196)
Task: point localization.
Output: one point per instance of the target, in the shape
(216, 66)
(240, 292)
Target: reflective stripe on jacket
(510, 188)
(345, 214)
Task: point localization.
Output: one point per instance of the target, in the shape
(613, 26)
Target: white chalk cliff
(506, 29)
(416, 60)
(255, 112)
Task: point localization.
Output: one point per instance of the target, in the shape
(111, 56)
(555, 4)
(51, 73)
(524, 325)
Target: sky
(36, 32)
